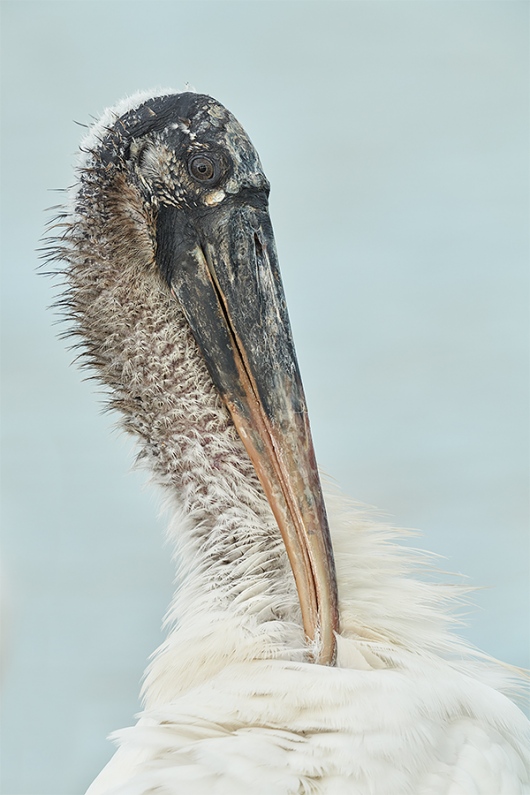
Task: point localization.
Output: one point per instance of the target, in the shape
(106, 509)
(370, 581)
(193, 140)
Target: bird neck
(235, 597)
(235, 591)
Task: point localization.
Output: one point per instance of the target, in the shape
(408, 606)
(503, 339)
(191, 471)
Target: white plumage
(408, 709)
(233, 702)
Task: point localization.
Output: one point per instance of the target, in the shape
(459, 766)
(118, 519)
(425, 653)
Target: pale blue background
(395, 135)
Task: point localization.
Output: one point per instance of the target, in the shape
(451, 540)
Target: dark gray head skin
(175, 190)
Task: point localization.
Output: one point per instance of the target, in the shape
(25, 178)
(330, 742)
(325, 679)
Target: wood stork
(287, 668)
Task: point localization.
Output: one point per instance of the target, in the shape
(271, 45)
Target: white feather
(409, 710)
(232, 704)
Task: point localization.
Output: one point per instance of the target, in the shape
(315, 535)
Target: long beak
(222, 266)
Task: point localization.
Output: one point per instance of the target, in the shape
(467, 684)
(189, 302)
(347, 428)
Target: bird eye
(202, 168)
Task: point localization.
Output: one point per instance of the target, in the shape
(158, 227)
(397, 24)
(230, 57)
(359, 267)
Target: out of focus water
(395, 135)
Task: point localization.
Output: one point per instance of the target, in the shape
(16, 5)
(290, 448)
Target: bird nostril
(260, 253)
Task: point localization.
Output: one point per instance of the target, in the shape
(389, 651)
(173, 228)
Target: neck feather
(235, 591)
